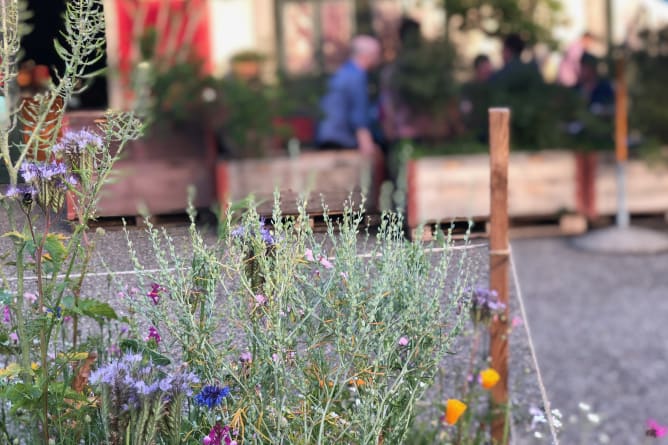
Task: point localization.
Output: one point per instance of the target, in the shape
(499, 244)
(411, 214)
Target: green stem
(24, 341)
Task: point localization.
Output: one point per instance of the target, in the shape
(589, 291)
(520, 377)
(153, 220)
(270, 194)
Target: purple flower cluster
(485, 304)
(51, 173)
(219, 435)
(6, 315)
(212, 396)
(264, 231)
(74, 142)
(133, 381)
(153, 334)
(21, 191)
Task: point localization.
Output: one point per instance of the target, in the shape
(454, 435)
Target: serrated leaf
(55, 247)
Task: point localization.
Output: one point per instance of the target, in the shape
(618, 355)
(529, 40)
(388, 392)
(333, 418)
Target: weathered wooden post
(499, 145)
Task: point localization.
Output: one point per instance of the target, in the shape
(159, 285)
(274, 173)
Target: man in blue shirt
(346, 122)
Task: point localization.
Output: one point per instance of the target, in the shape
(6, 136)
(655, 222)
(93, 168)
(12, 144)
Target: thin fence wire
(534, 358)
(172, 269)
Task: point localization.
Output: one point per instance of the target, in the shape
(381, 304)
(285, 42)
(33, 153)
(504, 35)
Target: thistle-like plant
(324, 339)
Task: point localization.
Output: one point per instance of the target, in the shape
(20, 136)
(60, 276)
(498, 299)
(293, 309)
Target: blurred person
(596, 91)
(482, 69)
(395, 115)
(515, 74)
(569, 68)
(345, 106)
(406, 112)
(476, 97)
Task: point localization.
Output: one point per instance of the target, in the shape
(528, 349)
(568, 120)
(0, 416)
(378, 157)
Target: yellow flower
(488, 378)
(453, 410)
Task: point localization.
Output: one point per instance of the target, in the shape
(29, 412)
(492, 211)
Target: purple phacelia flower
(485, 304)
(21, 191)
(74, 142)
(264, 231)
(6, 315)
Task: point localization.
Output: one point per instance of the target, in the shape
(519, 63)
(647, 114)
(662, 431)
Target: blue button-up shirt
(345, 106)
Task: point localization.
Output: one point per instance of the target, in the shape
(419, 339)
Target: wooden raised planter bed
(329, 177)
(542, 185)
(447, 188)
(646, 187)
(154, 173)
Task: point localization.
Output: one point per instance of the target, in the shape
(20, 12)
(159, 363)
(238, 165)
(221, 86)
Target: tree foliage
(532, 19)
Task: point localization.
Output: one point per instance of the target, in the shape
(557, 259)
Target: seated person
(345, 106)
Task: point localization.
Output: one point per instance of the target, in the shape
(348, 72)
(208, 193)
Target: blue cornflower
(212, 396)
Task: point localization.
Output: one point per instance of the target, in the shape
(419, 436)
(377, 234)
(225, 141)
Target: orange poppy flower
(488, 378)
(453, 410)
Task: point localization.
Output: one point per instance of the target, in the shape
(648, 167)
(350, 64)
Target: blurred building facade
(310, 36)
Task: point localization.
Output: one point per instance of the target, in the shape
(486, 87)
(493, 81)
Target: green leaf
(55, 247)
(5, 297)
(89, 307)
(130, 345)
(15, 236)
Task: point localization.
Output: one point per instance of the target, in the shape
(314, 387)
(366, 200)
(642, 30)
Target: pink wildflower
(403, 341)
(655, 430)
(260, 300)
(30, 297)
(246, 357)
(326, 263)
(153, 335)
(155, 293)
(6, 315)
(309, 255)
(14, 337)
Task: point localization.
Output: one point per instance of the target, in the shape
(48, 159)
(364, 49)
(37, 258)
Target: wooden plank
(646, 187)
(316, 176)
(449, 187)
(499, 130)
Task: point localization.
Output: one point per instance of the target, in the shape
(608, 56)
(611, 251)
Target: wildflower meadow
(268, 333)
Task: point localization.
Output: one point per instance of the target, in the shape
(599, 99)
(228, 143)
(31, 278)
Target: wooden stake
(499, 130)
(621, 120)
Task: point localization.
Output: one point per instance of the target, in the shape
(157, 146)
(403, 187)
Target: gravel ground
(595, 321)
